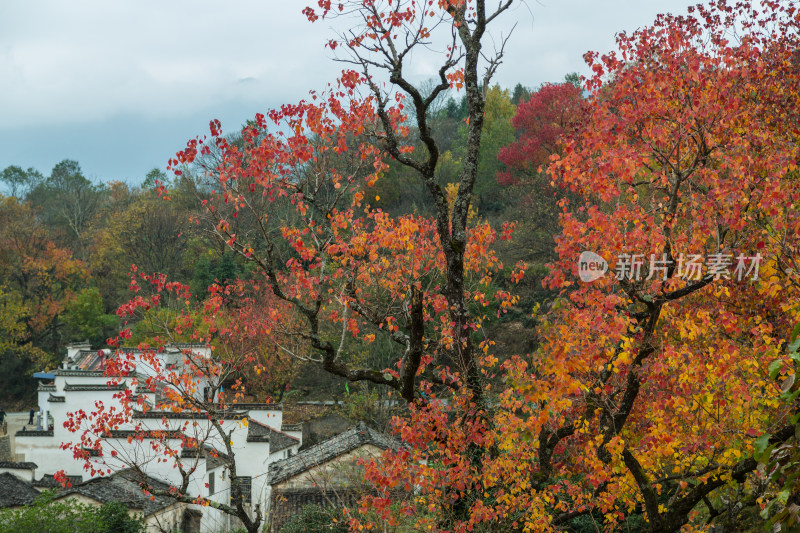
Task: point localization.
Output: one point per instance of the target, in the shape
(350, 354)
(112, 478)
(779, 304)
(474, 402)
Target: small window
(290, 453)
(246, 484)
(211, 488)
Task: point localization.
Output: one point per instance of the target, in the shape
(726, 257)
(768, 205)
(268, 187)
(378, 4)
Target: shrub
(68, 516)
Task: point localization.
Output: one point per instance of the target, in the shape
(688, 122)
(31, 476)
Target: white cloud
(88, 65)
(88, 60)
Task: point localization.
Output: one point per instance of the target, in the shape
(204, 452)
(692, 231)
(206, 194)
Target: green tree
(86, 319)
(19, 180)
(69, 516)
(574, 79)
(115, 519)
(67, 202)
(147, 232)
(155, 175)
(207, 271)
(497, 133)
(520, 94)
(202, 277)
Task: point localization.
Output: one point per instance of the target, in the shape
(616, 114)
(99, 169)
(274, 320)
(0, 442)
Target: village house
(327, 474)
(258, 438)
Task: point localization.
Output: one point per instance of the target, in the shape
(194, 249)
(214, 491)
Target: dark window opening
(246, 484)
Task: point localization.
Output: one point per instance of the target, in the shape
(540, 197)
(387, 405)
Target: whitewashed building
(258, 437)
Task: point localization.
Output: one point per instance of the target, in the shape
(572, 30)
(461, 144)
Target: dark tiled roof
(292, 427)
(56, 399)
(15, 492)
(214, 458)
(47, 387)
(123, 487)
(183, 345)
(48, 482)
(34, 433)
(330, 449)
(216, 462)
(244, 406)
(95, 387)
(146, 434)
(258, 432)
(90, 452)
(79, 372)
(227, 415)
(18, 466)
(166, 348)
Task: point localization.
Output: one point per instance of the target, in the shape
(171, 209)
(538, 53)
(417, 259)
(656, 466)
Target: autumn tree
(352, 272)
(334, 224)
(135, 226)
(541, 121)
(40, 283)
(661, 374)
(652, 387)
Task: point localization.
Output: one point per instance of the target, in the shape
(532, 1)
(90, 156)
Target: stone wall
(5, 449)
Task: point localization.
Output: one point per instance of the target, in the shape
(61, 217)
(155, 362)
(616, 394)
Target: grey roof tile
(227, 415)
(278, 441)
(94, 387)
(18, 466)
(124, 487)
(79, 372)
(330, 449)
(15, 492)
(24, 432)
(48, 481)
(250, 406)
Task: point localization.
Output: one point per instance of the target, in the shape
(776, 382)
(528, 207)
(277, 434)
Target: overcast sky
(121, 85)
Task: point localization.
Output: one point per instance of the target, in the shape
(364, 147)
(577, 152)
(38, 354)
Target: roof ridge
(262, 424)
(282, 433)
